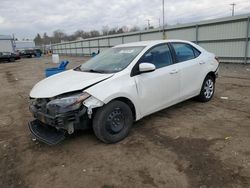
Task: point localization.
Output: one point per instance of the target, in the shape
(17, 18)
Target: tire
(112, 122)
(12, 59)
(207, 89)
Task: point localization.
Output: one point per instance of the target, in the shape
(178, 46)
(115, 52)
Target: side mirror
(146, 67)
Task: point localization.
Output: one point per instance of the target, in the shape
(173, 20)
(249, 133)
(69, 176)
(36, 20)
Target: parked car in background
(119, 86)
(38, 52)
(27, 53)
(31, 53)
(17, 55)
(7, 56)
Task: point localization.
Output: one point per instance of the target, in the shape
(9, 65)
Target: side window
(160, 56)
(184, 52)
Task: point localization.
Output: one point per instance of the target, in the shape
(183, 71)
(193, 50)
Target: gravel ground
(191, 144)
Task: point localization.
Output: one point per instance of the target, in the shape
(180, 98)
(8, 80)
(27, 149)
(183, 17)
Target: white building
(6, 43)
(22, 45)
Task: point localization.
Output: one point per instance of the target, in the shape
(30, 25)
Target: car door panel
(190, 68)
(189, 78)
(158, 89)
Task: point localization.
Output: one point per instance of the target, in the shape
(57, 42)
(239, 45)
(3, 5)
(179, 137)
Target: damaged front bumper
(51, 129)
(49, 121)
(46, 133)
(68, 121)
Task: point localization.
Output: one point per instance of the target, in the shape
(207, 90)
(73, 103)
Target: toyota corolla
(120, 86)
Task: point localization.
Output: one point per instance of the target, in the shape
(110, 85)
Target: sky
(26, 18)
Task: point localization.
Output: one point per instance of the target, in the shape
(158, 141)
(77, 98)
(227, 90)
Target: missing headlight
(67, 104)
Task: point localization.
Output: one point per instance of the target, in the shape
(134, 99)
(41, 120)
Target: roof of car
(149, 43)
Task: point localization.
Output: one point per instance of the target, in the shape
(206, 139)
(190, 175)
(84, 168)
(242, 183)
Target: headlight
(67, 104)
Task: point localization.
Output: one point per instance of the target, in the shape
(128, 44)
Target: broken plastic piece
(224, 98)
(46, 133)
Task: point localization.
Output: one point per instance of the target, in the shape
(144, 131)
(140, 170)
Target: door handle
(174, 71)
(202, 62)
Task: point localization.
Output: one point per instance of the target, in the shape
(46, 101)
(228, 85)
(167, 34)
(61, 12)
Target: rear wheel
(11, 59)
(112, 122)
(207, 90)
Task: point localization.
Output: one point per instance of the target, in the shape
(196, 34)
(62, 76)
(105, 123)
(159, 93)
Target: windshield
(111, 60)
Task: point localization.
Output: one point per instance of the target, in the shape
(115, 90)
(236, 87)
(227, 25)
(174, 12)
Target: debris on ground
(224, 98)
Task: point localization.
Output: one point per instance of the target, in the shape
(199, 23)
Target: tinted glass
(196, 52)
(183, 51)
(160, 56)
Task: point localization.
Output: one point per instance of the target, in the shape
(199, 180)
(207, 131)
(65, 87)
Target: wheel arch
(212, 74)
(129, 103)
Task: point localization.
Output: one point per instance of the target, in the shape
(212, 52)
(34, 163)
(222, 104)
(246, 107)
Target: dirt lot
(188, 145)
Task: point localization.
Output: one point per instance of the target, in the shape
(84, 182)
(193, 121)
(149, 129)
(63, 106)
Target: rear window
(185, 52)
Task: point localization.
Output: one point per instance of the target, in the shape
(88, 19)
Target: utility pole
(163, 19)
(148, 20)
(233, 5)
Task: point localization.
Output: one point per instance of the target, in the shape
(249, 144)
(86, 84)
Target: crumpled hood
(65, 82)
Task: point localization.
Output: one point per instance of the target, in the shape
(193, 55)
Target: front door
(160, 88)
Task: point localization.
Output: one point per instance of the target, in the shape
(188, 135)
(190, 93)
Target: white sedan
(119, 86)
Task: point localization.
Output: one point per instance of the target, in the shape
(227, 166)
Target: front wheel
(207, 90)
(112, 122)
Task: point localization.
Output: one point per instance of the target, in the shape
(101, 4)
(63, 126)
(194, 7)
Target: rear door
(190, 67)
(160, 88)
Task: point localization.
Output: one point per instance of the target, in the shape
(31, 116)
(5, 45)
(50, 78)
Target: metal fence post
(89, 48)
(66, 49)
(247, 40)
(81, 46)
(76, 50)
(98, 44)
(70, 51)
(108, 42)
(196, 34)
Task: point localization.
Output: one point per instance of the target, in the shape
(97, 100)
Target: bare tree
(94, 33)
(38, 40)
(112, 31)
(125, 29)
(105, 30)
(58, 36)
(80, 34)
(135, 28)
(46, 39)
